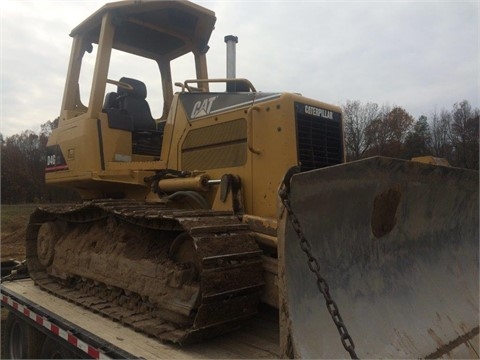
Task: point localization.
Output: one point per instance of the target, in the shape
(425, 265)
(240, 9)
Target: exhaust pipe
(231, 42)
(232, 85)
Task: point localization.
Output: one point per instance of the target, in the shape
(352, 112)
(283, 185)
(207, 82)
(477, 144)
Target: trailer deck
(258, 339)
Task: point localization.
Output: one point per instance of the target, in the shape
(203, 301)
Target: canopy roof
(153, 28)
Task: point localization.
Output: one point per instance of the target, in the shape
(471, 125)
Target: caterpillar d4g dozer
(182, 232)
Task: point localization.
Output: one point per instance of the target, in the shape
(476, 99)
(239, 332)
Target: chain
(314, 266)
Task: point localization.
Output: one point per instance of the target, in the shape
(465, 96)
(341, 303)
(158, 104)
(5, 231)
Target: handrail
(247, 82)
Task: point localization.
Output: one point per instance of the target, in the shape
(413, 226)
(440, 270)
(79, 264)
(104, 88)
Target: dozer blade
(398, 244)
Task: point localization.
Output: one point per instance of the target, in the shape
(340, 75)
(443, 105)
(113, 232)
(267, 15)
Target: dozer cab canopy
(157, 30)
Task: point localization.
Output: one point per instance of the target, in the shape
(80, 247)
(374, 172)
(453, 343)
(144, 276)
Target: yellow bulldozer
(234, 200)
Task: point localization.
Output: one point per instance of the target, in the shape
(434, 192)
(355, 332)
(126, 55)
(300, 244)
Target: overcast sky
(420, 55)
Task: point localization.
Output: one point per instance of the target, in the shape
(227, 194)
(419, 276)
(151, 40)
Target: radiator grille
(217, 146)
(319, 137)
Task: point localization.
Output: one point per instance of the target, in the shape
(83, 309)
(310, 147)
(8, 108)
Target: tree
(376, 132)
(47, 128)
(357, 117)
(22, 168)
(440, 130)
(418, 141)
(399, 122)
(386, 134)
(23, 165)
(14, 176)
(464, 134)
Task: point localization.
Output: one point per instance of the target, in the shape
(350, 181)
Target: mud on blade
(397, 242)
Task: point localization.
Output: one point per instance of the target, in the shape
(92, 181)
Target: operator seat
(134, 104)
(128, 110)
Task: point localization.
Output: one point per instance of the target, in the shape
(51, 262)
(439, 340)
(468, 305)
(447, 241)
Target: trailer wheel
(22, 341)
(53, 350)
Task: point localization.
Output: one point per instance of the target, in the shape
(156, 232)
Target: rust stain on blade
(384, 215)
(444, 349)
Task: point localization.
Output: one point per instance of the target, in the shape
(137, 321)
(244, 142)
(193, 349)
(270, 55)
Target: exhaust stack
(231, 42)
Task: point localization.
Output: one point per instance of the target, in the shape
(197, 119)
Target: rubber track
(226, 301)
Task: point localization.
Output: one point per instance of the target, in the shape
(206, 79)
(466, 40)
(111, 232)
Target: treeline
(370, 129)
(23, 169)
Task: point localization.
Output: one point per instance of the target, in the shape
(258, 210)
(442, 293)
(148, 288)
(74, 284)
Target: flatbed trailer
(41, 325)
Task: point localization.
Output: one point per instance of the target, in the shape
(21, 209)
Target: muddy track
(177, 275)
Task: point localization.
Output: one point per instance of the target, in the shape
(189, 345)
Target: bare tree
(464, 134)
(357, 117)
(440, 128)
(376, 132)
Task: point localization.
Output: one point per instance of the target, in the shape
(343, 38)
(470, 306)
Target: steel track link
(229, 266)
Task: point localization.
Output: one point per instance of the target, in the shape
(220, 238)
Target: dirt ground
(14, 220)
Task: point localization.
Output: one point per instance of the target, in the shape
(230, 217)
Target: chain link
(314, 267)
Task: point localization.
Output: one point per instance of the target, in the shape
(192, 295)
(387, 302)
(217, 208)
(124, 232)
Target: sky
(421, 55)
